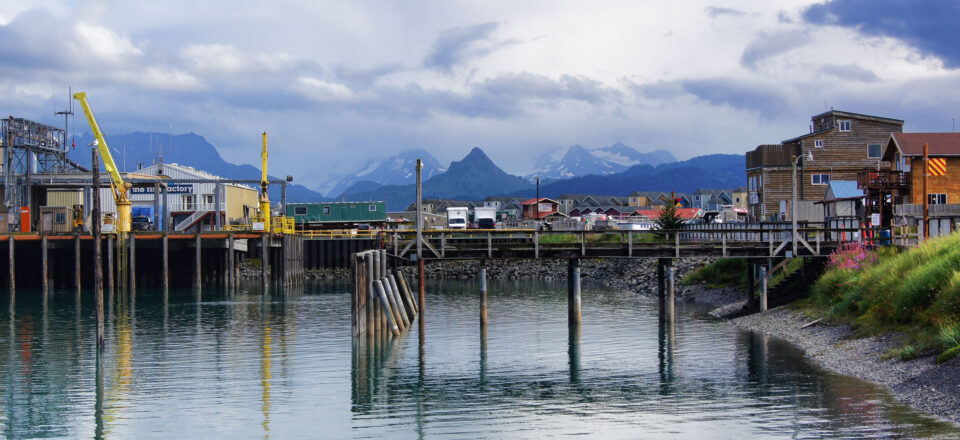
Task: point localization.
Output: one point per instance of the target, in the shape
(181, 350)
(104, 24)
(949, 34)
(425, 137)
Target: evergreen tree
(669, 218)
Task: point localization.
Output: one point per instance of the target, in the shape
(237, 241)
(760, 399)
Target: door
(47, 222)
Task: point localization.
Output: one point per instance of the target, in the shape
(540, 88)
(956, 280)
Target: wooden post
(396, 303)
(421, 303)
(751, 286)
(11, 267)
(231, 263)
(405, 309)
(406, 292)
(482, 276)
(165, 263)
(97, 260)
(198, 246)
(133, 263)
(76, 262)
(385, 303)
(110, 262)
(764, 280)
(662, 287)
(573, 292)
(671, 293)
(265, 261)
(44, 265)
(373, 314)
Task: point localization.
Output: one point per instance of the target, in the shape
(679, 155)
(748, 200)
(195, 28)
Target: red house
(543, 207)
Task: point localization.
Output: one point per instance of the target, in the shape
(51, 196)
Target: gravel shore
(920, 383)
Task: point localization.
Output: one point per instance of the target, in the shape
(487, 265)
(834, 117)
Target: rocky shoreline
(921, 383)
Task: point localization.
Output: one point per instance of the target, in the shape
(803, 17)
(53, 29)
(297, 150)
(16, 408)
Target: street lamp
(793, 206)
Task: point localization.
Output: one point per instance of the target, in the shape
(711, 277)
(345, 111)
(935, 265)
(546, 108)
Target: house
(901, 185)
(739, 195)
(508, 208)
(843, 208)
(643, 199)
(539, 208)
(842, 144)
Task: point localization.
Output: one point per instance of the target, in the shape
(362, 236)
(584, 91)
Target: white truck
(485, 217)
(457, 218)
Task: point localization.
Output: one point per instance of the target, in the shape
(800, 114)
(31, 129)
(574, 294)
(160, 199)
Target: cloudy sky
(342, 82)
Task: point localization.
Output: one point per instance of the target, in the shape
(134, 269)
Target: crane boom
(118, 185)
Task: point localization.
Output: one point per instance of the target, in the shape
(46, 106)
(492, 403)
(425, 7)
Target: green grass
(725, 272)
(916, 292)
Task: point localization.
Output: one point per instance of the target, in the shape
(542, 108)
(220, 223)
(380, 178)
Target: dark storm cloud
(928, 25)
(739, 94)
(770, 44)
(460, 44)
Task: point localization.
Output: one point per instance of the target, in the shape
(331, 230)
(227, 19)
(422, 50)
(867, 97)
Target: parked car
(141, 223)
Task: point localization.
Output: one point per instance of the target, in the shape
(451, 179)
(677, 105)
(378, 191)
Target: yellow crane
(264, 186)
(119, 187)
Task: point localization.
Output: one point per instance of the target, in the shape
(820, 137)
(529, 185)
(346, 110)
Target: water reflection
(240, 364)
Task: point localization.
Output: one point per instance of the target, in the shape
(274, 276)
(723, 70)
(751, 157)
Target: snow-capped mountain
(579, 161)
(394, 170)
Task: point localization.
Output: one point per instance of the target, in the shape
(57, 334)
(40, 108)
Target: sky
(337, 83)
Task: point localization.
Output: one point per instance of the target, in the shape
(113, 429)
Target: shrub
(851, 256)
(907, 353)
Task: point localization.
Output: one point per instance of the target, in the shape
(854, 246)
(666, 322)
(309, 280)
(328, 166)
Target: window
(752, 183)
(937, 199)
(818, 143)
(844, 125)
(820, 179)
(208, 199)
(326, 210)
(874, 151)
(300, 210)
(738, 200)
(60, 218)
(372, 208)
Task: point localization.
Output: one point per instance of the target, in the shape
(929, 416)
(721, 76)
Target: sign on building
(172, 188)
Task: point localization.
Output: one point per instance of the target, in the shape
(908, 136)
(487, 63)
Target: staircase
(189, 222)
(797, 284)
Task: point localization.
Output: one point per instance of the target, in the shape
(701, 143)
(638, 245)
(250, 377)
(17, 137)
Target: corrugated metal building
(337, 213)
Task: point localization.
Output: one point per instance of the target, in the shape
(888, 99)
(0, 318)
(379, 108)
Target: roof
(542, 199)
(941, 144)
(844, 114)
(684, 213)
(844, 189)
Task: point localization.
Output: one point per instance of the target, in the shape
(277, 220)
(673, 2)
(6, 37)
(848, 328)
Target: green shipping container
(338, 212)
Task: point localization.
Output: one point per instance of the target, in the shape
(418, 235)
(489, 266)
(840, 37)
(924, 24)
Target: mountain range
(579, 161)
(131, 150)
(395, 170)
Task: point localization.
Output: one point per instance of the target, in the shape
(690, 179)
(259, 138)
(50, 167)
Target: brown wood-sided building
(904, 152)
(842, 143)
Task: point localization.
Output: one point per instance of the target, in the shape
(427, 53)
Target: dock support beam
(133, 263)
(665, 288)
(231, 264)
(482, 276)
(573, 291)
(165, 264)
(76, 262)
(44, 266)
(264, 260)
(11, 267)
(671, 292)
(764, 280)
(198, 246)
(110, 263)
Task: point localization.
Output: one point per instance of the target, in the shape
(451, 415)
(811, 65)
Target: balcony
(883, 180)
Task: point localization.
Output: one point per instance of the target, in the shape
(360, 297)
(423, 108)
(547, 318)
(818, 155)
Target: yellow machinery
(264, 186)
(77, 218)
(119, 187)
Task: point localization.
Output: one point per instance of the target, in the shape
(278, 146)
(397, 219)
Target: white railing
(187, 207)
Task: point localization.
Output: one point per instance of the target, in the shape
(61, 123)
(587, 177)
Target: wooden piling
(406, 291)
(165, 263)
(671, 293)
(97, 260)
(398, 315)
(385, 304)
(76, 262)
(764, 280)
(133, 262)
(662, 287)
(482, 276)
(573, 291)
(11, 266)
(264, 261)
(421, 302)
(44, 266)
(110, 262)
(198, 247)
(373, 316)
(401, 302)
(231, 263)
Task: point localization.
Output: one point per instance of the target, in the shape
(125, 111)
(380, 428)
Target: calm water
(241, 366)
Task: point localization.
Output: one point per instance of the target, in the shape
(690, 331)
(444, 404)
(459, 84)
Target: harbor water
(219, 364)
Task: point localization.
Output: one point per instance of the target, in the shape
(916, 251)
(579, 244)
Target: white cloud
(102, 43)
(320, 90)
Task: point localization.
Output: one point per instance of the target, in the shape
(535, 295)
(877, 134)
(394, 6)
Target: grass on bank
(916, 292)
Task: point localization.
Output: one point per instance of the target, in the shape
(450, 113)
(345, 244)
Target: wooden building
(842, 143)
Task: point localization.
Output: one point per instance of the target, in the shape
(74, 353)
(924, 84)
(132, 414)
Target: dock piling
(264, 261)
(764, 281)
(44, 266)
(165, 263)
(573, 291)
(385, 303)
(76, 262)
(133, 263)
(482, 276)
(197, 267)
(671, 293)
(110, 262)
